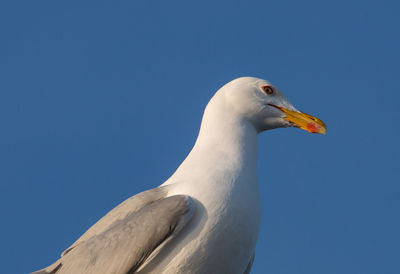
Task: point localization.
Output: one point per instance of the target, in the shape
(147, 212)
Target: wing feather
(120, 212)
(127, 236)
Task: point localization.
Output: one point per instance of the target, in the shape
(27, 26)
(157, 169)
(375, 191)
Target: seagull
(205, 218)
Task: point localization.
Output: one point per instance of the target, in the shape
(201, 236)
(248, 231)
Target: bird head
(266, 107)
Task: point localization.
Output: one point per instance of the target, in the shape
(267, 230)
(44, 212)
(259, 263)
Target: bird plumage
(205, 218)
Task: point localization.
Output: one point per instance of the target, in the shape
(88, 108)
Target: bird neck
(227, 143)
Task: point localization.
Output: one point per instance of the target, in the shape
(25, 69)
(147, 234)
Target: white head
(265, 106)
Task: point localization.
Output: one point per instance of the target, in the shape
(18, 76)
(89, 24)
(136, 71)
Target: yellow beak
(303, 120)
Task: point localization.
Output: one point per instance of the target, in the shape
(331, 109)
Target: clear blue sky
(101, 100)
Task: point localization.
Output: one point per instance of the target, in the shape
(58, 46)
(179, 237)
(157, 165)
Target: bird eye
(268, 90)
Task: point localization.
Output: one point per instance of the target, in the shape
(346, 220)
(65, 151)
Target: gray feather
(121, 211)
(122, 240)
(248, 268)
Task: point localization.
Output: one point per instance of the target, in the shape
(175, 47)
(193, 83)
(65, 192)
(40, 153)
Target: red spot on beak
(313, 128)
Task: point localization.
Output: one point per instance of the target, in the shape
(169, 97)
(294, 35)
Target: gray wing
(120, 212)
(122, 240)
(247, 271)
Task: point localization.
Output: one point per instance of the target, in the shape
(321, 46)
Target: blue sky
(100, 100)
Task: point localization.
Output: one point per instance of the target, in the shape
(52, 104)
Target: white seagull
(205, 218)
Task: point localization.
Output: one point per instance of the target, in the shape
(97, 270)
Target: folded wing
(122, 240)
